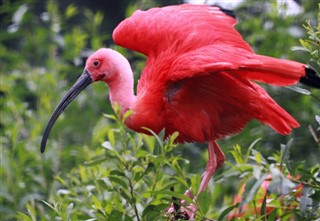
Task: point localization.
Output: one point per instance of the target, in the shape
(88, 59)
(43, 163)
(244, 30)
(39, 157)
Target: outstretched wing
(212, 87)
(188, 40)
(218, 105)
(215, 58)
(179, 28)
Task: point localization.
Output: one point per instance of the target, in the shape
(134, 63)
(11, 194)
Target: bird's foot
(179, 211)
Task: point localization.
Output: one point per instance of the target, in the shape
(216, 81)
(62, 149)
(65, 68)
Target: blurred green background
(43, 48)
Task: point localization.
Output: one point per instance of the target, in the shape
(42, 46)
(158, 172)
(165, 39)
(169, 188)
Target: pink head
(104, 65)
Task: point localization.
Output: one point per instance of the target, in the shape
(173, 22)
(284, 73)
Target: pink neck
(121, 88)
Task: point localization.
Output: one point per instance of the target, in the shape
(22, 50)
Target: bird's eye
(96, 63)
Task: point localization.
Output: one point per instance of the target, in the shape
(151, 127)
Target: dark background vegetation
(43, 48)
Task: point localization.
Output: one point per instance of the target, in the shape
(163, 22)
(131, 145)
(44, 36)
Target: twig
(134, 205)
(305, 183)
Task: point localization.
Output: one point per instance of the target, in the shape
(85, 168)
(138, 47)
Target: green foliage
(311, 44)
(97, 169)
(269, 190)
(122, 180)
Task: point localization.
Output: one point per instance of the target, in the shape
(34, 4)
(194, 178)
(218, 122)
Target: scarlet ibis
(199, 78)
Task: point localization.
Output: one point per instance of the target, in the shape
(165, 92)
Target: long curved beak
(83, 81)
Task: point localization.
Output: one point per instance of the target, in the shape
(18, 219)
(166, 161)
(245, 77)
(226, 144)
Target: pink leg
(216, 160)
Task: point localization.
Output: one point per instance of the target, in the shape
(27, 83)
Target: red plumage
(178, 28)
(197, 78)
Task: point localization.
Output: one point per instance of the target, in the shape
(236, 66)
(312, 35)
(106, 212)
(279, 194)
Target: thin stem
(306, 183)
(155, 180)
(158, 170)
(132, 202)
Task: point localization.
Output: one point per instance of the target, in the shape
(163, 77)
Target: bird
(200, 78)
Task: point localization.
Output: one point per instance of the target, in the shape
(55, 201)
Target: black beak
(83, 81)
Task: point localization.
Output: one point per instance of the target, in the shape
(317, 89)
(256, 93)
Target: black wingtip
(226, 11)
(311, 79)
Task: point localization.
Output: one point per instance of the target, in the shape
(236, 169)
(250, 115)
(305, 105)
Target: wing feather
(214, 58)
(180, 27)
(219, 105)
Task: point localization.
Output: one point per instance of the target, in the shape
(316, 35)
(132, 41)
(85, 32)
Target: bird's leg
(216, 160)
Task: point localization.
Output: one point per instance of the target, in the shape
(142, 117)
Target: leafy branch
(312, 43)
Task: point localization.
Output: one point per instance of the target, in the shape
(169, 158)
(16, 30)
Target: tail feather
(272, 114)
(311, 78)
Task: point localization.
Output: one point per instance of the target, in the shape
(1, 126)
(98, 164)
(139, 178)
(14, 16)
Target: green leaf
(195, 181)
(236, 153)
(117, 173)
(205, 201)
(150, 142)
(111, 137)
(50, 206)
(227, 211)
(263, 211)
(159, 140)
(182, 181)
(176, 166)
(23, 217)
(97, 203)
(71, 10)
(97, 19)
(95, 160)
(172, 138)
(110, 116)
(273, 215)
(116, 215)
(258, 158)
(305, 44)
(31, 211)
(108, 209)
(119, 180)
(126, 115)
(60, 180)
(152, 212)
(141, 154)
(125, 194)
(250, 148)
